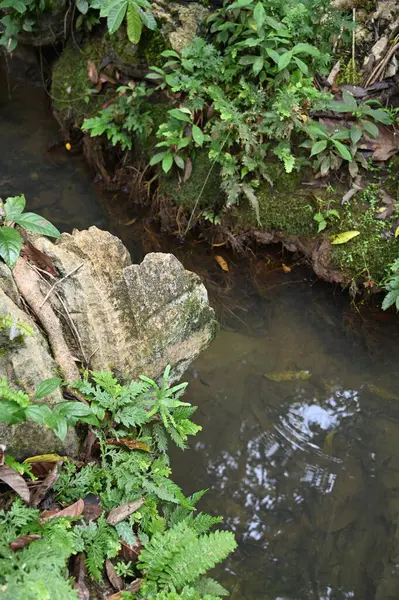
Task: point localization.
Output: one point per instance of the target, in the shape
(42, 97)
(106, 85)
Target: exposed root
(28, 284)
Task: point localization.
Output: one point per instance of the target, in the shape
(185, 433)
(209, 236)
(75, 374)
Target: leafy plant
(20, 15)
(136, 13)
(127, 116)
(14, 328)
(392, 287)
(323, 218)
(12, 213)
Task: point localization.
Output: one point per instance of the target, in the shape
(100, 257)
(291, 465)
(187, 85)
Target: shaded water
(306, 471)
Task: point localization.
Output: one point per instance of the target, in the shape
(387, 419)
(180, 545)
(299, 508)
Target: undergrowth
(142, 522)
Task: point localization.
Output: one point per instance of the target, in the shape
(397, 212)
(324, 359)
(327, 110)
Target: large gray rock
(133, 319)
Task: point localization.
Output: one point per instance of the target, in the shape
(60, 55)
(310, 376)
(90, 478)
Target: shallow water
(305, 470)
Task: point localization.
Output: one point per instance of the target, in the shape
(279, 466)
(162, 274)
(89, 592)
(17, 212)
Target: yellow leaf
(397, 231)
(288, 376)
(48, 458)
(345, 236)
(305, 118)
(220, 244)
(222, 263)
(68, 146)
(285, 268)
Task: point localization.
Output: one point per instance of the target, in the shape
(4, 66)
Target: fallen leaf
(344, 237)
(115, 580)
(288, 376)
(382, 392)
(80, 572)
(16, 482)
(133, 588)
(68, 146)
(106, 78)
(334, 72)
(2, 456)
(45, 458)
(92, 72)
(91, 512)
(188, 170)
(397, 231)
(285, 268)
(24, 541)
(222, 263)
(74, 510)
(385, 145)
(130, 443)
(219, 244)
(121, 512)
(45, 486)
(38, 258)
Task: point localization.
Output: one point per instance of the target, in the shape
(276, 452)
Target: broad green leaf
(259, 14)
(46, 387)
(318, 147)
(240, 4)
(17, 5)
(284, 60)
(168, 53)
(60, 427)
(258, 65)
(198, 135)
(341, 134)
(275, 25)
(356, 133)
(116, 15)
(157, 158)
(251, 42)
(370, 128)
(73, 409)
(179, 114)
(343, 150)
(167, 162)
(317, 130)
(148, 20)
(380, 115)
(35, 222)
(301, 65)
(248, 59)
(179, 161)
(39, 413)
(344, 237)
(349, 104)
(349, 100)
(14, 206)
(397, 232)
(273, 54)
(133, 24)
(303, 48)
(10, 245)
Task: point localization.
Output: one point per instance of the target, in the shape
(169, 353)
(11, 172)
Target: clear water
(305, 470)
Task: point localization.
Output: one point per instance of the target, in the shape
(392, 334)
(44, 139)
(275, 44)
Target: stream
(298, 395)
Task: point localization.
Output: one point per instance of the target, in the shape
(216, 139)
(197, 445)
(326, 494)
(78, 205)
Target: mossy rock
(49, 25)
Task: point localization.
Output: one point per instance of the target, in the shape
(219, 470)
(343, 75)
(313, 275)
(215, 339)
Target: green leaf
(273, 54)
(198, 135)
(301, 65)
(344, 237)
(148, 20)
(82, 6)
(240, 4)
(318, 147)
(179, 114)
(133, 24)
(179, 161)
(116, 15)
(73, 409)
(39, 413)
(380, 115)
(304, 48)
(259, 14)
(258, 65)
(355, 133)
(370, 128)
(343, 150)
(14, 206)
(10, 245)
(284, 60)
(46, 387)
(17, 5)
(35, 222)
(390, 299)
(167, 162)
(349, 104)
(157, 158)
(168, 53)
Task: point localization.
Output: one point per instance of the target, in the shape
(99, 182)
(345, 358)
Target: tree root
(28, 284)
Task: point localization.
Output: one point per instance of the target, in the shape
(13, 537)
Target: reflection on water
(306, 471)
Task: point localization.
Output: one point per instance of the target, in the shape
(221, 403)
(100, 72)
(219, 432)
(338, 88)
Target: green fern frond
(203, 522)
(160, 438)
(167, 490)
(208, 586)
(6, 393)
(131, 416)
(107, 382)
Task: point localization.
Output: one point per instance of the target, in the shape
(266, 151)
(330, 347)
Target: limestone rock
(132, 318)
(179, 23)
(25, 362)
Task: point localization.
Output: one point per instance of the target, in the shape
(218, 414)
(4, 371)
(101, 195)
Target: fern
(208, 586)
(99, 541)
(180, 556)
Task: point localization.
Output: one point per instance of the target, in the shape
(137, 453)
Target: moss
(187, 194)
(152, 44)
(71, 90)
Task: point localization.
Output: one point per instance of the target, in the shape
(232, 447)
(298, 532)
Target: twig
(379, 69)
(58, 282)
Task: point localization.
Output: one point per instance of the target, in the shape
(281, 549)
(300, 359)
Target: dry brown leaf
(16, 482)
(188, 170)
(92, 72)
(130, 443)
(80, 572)
(121, 512)
(91, 512)
(106, 78)
(285, 268)
(384, 146)
(38, 258)
(2, 454)
(130, 553)
(74, 510)
(24, 541)
(115, 580)
(45, 486)
(133, 588)
(222, 263)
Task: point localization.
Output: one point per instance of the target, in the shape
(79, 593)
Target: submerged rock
(132, 319)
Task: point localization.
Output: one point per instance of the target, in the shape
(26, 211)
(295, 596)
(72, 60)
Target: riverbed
(298, 395)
